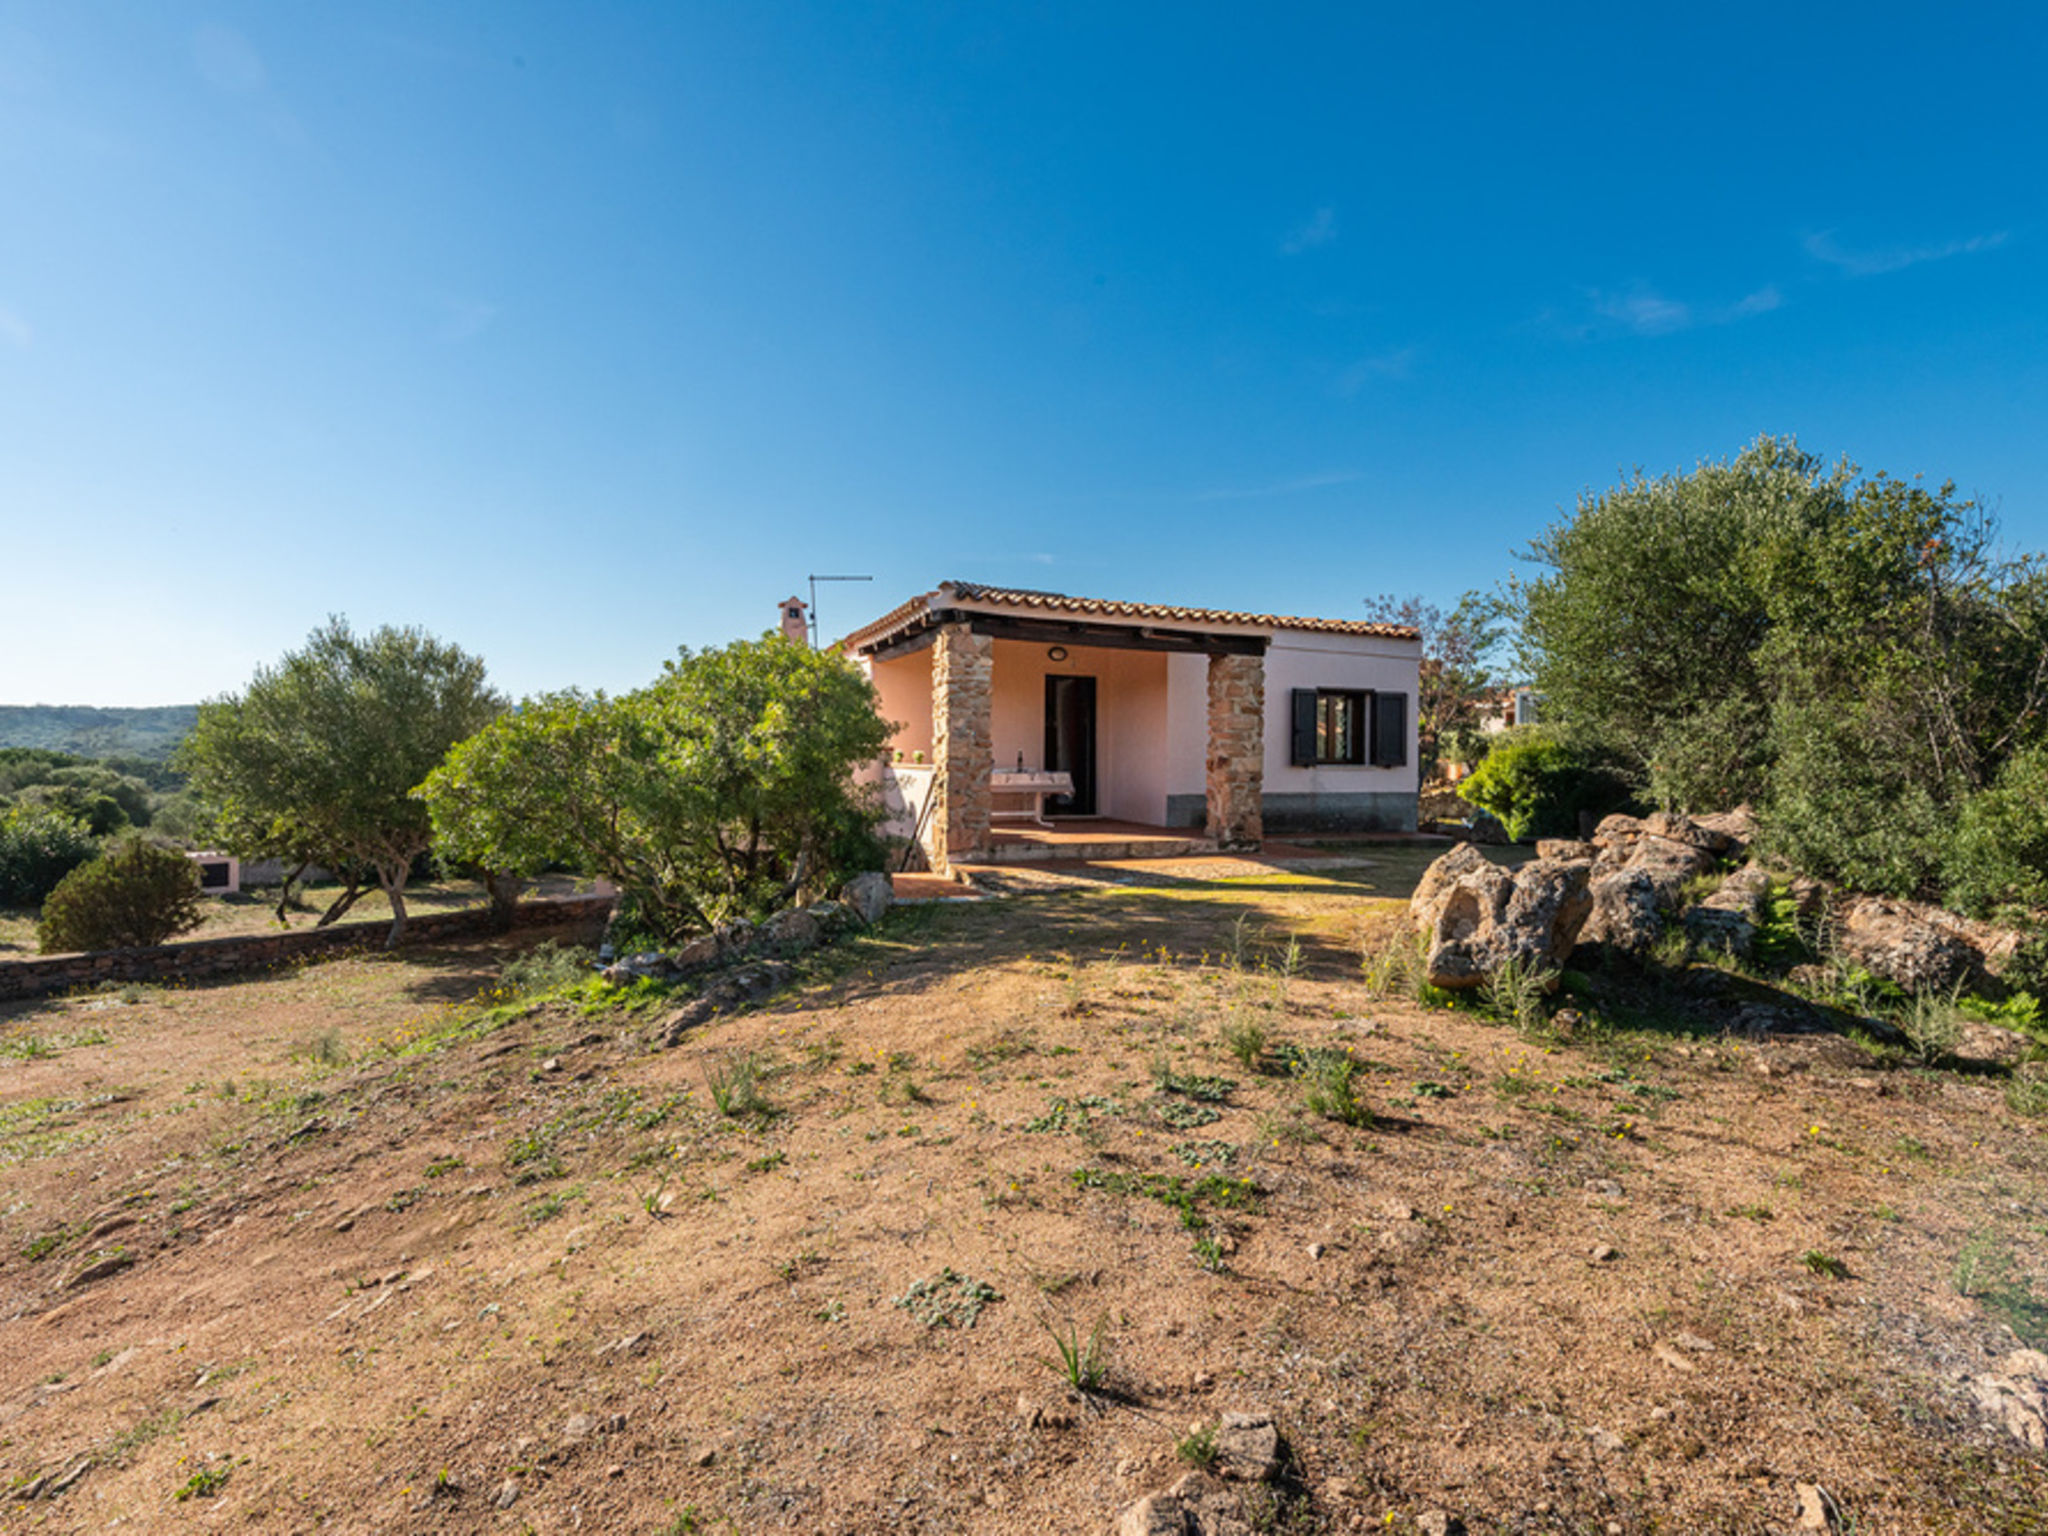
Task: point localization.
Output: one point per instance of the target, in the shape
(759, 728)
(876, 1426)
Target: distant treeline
(84, 731)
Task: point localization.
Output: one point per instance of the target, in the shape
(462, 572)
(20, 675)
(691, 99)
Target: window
(1340, 725)
(1349, 727)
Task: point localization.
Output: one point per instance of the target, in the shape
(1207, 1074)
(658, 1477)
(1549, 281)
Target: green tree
(319, 759)
(1849, 652)
(721, 790)
(38, 848)
(134, 895)
(1456, 672)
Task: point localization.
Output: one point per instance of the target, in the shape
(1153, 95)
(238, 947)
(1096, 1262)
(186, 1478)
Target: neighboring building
(1240, 724)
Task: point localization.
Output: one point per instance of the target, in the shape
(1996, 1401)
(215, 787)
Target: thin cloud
(1762, 302)
(13, 329)
(1643, 311)
(1281, 487)
(1384, 365)
(1823, 248)
(1319, 230)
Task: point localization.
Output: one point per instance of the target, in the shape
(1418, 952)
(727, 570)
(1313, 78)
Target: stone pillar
(962, 666)
(1237, 750)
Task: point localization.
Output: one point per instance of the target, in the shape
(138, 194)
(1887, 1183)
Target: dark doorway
(1070, 742)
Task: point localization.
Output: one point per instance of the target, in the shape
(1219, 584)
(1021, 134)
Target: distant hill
(89, 732)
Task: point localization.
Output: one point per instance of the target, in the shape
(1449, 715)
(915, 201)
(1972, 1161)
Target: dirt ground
(362, 1247)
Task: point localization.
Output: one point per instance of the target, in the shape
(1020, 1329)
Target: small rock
(1127, 1468)
(1672, 1358)
(704, 1458)
(1605, 1254)
(552, 1064)
(1247, 1447)
(1606, 1440)
(1438, 1522)
(507, 1494)
(615, 1470)
(1157, 1514)
(1695, 1343)
(615, 1424)
(579, 1427)
(1815, 1507)
(344, 1224)
(1316, 1250)
(1396, 1210)
(1204, 1380)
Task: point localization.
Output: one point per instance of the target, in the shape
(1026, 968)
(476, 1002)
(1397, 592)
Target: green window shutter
(1304, 734)
(1390, 730)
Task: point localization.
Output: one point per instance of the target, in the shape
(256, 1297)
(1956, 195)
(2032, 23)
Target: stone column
(1237, 750)
(962, 665)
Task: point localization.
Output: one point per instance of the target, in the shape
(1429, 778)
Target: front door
(1070, 742)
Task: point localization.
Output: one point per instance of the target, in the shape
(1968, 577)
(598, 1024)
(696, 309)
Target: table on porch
(1035, 782)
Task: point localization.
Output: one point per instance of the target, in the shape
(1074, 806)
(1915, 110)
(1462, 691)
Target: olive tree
(721, 790)
(318, 760)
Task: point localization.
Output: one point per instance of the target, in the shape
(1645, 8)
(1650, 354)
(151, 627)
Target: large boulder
(1624, 915)
(1729, 919)
(869, 896)
(1906, 945)
(1479, 916)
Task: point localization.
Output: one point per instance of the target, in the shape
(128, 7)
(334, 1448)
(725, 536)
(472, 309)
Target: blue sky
(578, 333)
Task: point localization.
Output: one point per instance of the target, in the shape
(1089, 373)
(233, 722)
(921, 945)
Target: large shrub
(1538, 786)
(1998, 859)
(721, 790)
(136, 894)
(38, 848)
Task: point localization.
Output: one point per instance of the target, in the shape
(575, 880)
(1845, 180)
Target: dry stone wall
(207, 959)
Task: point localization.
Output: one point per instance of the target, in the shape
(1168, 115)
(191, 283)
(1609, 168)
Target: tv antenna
(814, 601)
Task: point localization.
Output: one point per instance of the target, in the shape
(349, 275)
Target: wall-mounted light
(1057, 653)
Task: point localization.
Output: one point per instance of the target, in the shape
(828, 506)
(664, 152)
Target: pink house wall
(1131, 720)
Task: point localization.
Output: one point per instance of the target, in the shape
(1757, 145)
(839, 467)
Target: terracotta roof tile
(974, 594)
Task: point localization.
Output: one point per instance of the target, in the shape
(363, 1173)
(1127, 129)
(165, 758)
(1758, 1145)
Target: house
(1224, 726)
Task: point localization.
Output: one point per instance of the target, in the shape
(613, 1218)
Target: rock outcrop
(1479, 916)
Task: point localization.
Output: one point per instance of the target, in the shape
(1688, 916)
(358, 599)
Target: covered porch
(1158, 726)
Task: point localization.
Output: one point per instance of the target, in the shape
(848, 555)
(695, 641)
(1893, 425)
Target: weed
(1185, 1197)
(1212, 1090)
(441, 1167)
(1985, 1272)
(1933, 1026)
(1198, 1448)
(1755, 1211)
(1208, 1251)
(1245, 1038)
(735, 1083)
(1007, 1046)
(1824, 1264)
(1516, 993)
(547, 967)
(549, 1206)
(1434, 1091)
(404, 1200)
(1329, 1088)
(203, 1484)
(1199, 1154)
(39, 1248)
(1393, 964)
(768, 1161)
(2027, 1093)
(325, 1049)
(1082, 1364)
(1276, 1128)
(654, 1199)
(1183, 1116)
(532, 1157)
(947, 1300)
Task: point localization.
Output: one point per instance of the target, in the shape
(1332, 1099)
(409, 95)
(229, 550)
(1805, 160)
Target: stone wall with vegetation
(206, 959)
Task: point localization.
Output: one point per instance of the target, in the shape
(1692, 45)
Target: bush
(135, 895)
(1997, 863)
(1538, 787)
(38, 848)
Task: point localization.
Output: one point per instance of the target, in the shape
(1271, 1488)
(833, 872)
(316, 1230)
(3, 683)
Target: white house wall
(1337, 795)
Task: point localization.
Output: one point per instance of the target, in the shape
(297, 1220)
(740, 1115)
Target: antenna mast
(815, 632)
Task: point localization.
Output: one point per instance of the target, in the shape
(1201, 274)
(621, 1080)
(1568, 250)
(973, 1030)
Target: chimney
(795, 626)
